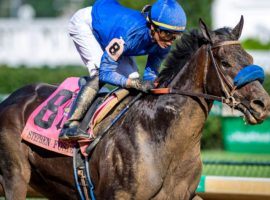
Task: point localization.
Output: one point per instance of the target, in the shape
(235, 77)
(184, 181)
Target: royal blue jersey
(111, 20)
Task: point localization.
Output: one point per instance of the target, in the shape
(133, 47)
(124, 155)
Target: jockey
(108, 36)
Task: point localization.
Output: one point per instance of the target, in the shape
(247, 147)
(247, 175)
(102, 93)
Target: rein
(227, 86)
(187, 93)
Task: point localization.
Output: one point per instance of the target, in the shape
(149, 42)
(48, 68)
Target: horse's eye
(225, 64)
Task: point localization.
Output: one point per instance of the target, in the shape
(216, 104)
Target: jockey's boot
(86, 95)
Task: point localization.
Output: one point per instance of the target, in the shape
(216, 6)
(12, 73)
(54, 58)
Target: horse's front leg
(14, 168)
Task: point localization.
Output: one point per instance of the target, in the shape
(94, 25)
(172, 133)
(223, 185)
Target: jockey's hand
(144, 86)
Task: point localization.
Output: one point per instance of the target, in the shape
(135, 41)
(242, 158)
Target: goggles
(168, 36)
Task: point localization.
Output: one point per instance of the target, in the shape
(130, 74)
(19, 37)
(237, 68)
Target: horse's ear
(238, 28)
(205, 31)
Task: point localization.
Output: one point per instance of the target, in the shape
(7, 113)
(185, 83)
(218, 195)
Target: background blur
(35, 47)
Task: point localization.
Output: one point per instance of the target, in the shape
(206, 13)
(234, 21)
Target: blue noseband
(249, 74)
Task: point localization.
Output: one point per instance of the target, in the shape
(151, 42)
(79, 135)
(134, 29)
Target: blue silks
(249, 74)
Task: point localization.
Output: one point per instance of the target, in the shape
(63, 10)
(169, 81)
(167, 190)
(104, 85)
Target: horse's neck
(192, 75)
(187, 114)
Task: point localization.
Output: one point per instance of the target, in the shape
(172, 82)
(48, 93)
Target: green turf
(234, 170)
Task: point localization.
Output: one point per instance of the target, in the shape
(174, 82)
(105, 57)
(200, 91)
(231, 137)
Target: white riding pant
(81, 31)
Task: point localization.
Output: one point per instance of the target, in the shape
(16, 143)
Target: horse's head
(208, 63)
(226, 59)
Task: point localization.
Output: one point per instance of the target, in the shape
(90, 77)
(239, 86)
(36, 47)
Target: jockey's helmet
(168, 15)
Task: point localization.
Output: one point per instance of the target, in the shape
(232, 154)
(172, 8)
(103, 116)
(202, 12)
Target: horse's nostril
(258, 104)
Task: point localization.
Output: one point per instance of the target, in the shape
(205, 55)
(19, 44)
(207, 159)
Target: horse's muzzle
(257, 110)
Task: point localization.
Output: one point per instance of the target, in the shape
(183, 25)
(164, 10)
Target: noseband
(226, 85)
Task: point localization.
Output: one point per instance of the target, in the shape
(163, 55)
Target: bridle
(227, 86)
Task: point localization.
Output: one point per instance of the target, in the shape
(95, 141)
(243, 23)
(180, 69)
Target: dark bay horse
(153, 152)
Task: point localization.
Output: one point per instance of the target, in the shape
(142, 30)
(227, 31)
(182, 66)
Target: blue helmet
(168, 15)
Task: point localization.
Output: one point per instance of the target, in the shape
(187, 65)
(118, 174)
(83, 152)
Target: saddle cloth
(45, 122)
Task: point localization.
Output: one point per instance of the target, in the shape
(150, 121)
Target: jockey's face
(163, 38)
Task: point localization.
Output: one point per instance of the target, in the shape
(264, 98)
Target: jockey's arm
(153, 64)
(109, 64)
(108, 73)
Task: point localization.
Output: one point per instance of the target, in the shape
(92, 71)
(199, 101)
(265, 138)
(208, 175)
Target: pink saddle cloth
(45, 123)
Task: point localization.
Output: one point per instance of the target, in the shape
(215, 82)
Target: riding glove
(144, 86)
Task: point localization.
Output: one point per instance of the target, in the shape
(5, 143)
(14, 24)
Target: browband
(231, 42)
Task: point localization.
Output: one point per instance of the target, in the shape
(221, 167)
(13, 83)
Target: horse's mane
(183, 50)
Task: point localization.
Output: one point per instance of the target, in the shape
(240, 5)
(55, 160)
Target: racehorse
(153, 151)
